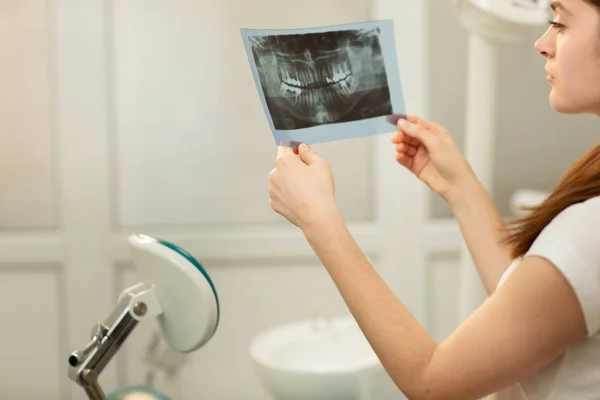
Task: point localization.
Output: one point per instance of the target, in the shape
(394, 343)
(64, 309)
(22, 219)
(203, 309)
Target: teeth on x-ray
(316, 78)
(311, 80)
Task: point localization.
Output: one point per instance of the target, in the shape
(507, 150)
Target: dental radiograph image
(311, 79)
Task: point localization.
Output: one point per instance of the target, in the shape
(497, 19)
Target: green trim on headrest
(122, 394)
(195, 262)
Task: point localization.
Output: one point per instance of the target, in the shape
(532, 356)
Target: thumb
(425, 136)
(307, 156)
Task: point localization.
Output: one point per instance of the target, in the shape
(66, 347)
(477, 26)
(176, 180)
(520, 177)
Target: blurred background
(141, 116)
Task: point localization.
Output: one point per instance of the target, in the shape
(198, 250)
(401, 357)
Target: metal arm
(87, 364)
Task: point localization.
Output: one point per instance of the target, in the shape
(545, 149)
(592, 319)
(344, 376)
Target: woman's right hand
(429, 152)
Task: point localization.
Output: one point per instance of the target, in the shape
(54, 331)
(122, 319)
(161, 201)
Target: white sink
(324, 359)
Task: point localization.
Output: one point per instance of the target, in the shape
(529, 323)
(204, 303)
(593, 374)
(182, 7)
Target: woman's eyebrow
(557, 5)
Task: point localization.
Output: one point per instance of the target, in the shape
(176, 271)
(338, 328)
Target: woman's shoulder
(579, 217)
(571, 242)
(592, 203)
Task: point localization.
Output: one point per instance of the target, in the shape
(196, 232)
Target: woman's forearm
(401, 343)
(483, 229)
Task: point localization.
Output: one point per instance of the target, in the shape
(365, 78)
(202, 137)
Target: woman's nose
(543, 46)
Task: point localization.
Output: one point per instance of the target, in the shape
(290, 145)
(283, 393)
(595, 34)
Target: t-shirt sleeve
(571, 242)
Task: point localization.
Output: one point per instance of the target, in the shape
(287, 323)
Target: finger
(401, 148)
(411, 141)
(282, 150)
(307, 156)
(400, 137)
(423, 122)
(404, 160)
(416, 131)
(272, 175)
(406, 148)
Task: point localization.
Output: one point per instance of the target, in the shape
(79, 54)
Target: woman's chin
(572, 104)
(559, 104)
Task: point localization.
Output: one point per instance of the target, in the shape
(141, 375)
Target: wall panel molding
(41, 322)
(18, 247)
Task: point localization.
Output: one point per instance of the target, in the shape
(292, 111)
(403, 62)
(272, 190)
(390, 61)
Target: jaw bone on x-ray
(324, 84)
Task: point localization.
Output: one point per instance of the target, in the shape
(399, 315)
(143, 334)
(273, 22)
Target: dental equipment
(175, 289)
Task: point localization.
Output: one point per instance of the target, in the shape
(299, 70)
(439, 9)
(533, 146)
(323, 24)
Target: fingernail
(393, 118)
(403, 122)
(305, 146)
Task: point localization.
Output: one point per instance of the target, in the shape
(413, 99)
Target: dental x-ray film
(329, 83)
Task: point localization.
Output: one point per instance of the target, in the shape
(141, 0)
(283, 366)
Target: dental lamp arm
(528, 322)
(175, 290)
(86, 365)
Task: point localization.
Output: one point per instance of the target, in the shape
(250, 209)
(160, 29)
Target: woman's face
(571, 46)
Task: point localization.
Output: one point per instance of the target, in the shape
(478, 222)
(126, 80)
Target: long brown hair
(580, 183)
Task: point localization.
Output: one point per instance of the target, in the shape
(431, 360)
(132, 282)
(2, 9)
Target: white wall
(153, 68)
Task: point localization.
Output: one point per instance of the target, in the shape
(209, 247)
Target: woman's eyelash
(556, 25)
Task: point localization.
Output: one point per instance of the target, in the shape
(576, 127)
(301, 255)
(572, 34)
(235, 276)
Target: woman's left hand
(302, 188)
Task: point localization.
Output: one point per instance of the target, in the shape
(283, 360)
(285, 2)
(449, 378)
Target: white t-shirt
(571, 242)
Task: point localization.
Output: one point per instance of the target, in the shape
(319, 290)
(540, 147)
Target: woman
(538, 334)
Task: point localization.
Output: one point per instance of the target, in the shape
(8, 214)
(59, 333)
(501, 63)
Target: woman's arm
(429, 151)
(531, 320)
(483, 229)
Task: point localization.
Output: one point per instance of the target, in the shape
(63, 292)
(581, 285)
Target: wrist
(462, 193)
(322, 218)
